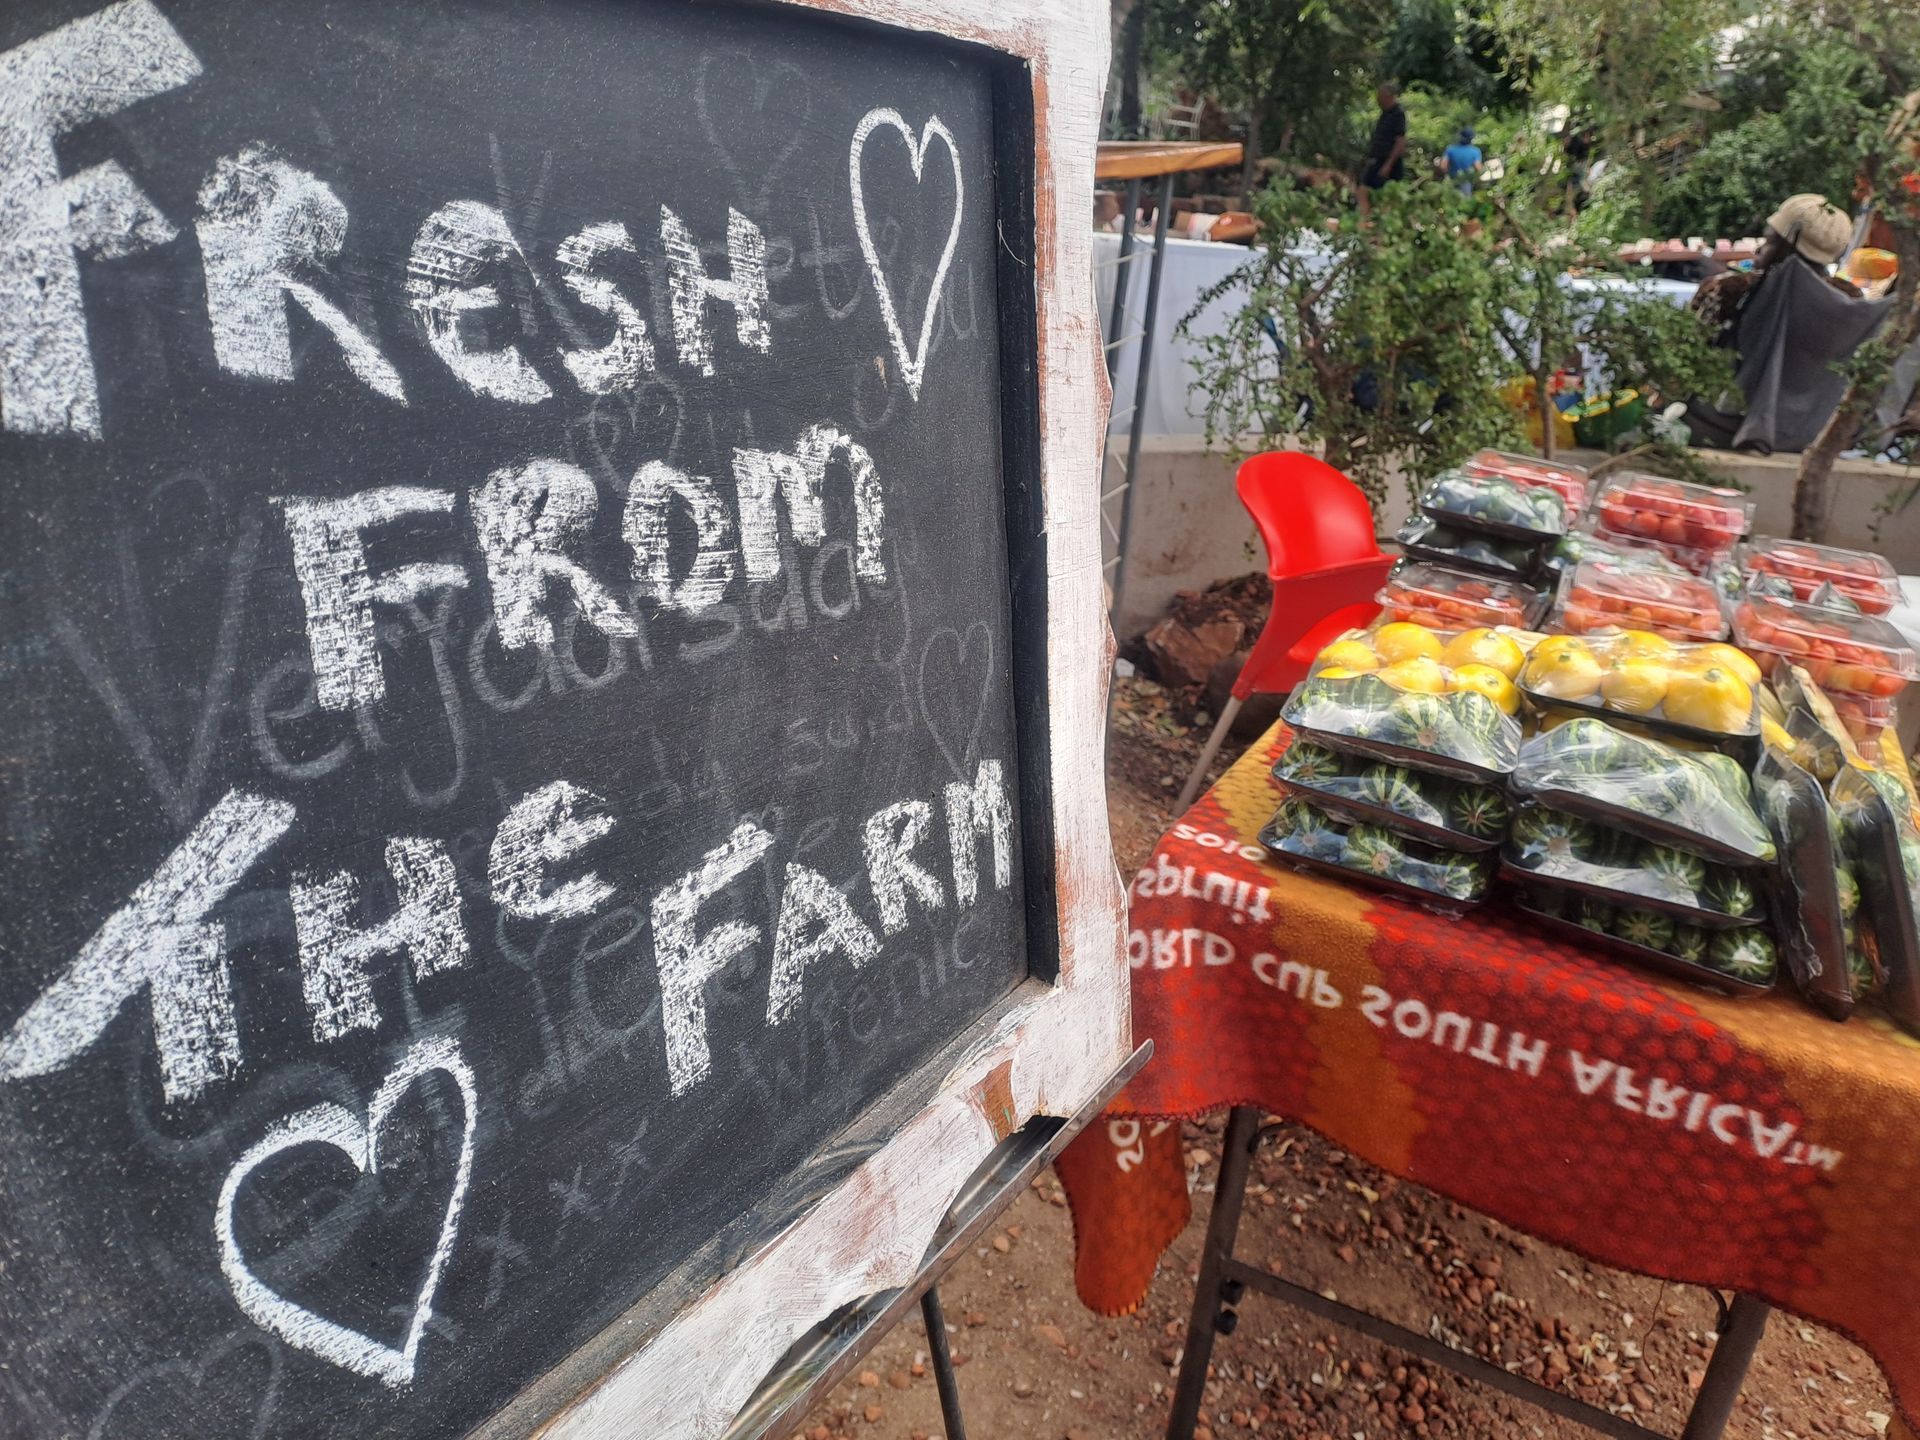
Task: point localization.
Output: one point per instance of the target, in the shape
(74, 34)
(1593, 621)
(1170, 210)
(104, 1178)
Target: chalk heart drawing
(955, 672)
(913, 363)
(359, 1140)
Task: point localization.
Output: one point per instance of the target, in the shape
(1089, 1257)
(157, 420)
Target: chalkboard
(520, 535)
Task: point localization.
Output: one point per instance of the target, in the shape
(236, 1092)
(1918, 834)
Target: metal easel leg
(940, 1354)
(1740, 1334)
(1212, 1298)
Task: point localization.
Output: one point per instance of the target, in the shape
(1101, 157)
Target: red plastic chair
(1325, 566)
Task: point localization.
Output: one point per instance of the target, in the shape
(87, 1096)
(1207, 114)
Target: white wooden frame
(1051, 1050)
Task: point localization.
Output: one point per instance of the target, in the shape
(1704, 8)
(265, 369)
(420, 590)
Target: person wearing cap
(1460, 161)
(1792, 326)
(1804, 230)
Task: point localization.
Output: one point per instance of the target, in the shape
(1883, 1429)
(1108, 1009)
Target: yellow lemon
(1727, 657)
(1563, 668)
(1484, 647)
(1337, 672)
(1421, 672)
(1404, 640)
(1710, 699)
(1354, 655)
(1490, 682)
(1636, 684)
(1640, 642)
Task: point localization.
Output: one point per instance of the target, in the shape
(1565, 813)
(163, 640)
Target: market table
(1744, 1145)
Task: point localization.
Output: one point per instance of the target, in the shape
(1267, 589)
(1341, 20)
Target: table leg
(1212, 1297)
(1739, 1336)
(940, 1355)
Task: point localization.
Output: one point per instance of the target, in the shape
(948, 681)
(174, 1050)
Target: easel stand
(828, 1354)
(1224, 1281)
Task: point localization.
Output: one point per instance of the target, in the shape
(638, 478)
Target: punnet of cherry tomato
(1447, 599)
(1602, 595)
(1689, 522)
(1857, 657)
(1867, 580)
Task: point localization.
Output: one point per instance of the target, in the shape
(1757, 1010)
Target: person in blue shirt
(1461, 161)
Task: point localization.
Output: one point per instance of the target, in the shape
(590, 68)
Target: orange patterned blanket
(1745, 1144)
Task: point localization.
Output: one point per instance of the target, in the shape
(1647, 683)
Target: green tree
(1452, 50)
(1377, 343)
(1623, 65)
(1793, 112)
(1291, 66)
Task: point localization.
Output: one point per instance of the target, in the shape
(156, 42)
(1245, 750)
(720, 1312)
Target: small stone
(1488, 1268)
(873, 1414)
(1052, 1334)
(1412, 1412)
(900, 1380)
(1002, 1244)
(1023, 1387)
(1641, 1397)
(976, 1318)
(869, 1380)
(819, 1432)
(1346, 1253)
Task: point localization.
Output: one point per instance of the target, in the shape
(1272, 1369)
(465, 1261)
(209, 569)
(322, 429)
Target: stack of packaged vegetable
(1850, 885)
(1658, 851)
(1635, 816)
(1629, 771)
(1403, 738)
(1497, 514)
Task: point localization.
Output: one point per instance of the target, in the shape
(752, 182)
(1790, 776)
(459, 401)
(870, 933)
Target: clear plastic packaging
(1456, 814)
(1568, 851)
(1580, 543)
(1689, 522)
(1699, 803)
(1736, 962)
(1441, 880)
(1422, 538)
(1703, 692)
(1812, 920)
(1859, 655)
(1598, 596)
(1865, 579)
(1568, 481)
(1882, 846)
(1433, 700)
(1448, 599)
(1496, 505)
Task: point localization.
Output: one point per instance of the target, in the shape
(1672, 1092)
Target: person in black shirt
(1387, 150)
